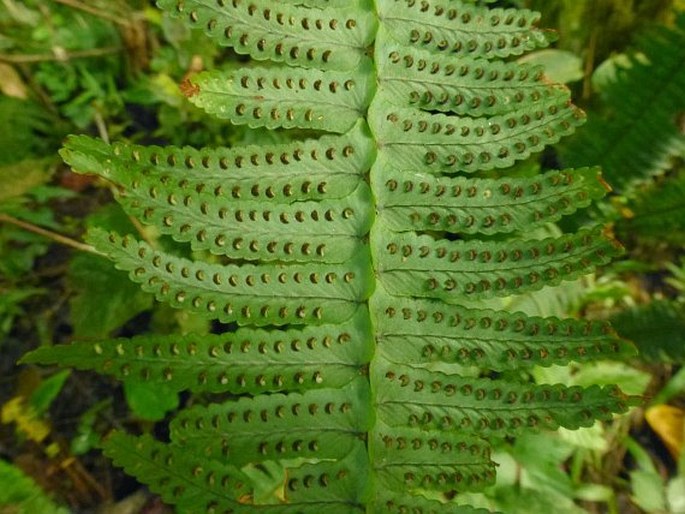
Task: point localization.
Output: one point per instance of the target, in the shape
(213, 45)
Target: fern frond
(325, 231)
(657, 329)
(639, 134)
(658, 213)
(458, 271)
(329, 167)
(322, 4)
(179, 477)
(463, 205)
(389, 502)
(325, 39)
(333, 486)
(260, 295)
(458, 29)
(413, 140)
(318, 424)
(408, 460)
(428, 332)
(351, 397)
(194, 483)
(280, 97)
(431, 400)
(245, 361)
(468, 87)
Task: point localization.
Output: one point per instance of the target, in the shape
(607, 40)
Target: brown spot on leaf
(188, 88)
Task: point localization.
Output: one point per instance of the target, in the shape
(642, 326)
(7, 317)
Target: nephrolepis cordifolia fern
(354, 263)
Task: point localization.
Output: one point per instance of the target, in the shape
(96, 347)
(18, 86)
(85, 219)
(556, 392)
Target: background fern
(379, 306)
(642, 97)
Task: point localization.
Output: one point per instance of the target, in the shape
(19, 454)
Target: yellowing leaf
(16, 411)
(11, 83)
(668, 423)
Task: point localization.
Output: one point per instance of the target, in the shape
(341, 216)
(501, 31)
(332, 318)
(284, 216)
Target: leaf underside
(352, 261)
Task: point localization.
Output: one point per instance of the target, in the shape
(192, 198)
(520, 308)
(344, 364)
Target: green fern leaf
(245, 361)
(458, 271)
(329, 167)
(327, 231)
(336, 486)
(412, 140)
(318, 424)
(285, 98)
(459, 29)
(322, 4)
(426, 333)
(468, 87)
(178, 477)
(389, 502)
(431, 400)
(194, 483)
(352, 397)
(407, 459)
(488, 206)
(326, 39)
(261, 295)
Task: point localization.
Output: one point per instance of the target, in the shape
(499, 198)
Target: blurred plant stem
(59, 55)
(54, 236)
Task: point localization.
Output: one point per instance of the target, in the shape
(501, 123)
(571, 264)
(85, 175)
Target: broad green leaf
(542, 457)
(561, 66)
(630, 379)
(103, 299)
(515, 499)
(649, 491)
(674, 494)
(150, 402)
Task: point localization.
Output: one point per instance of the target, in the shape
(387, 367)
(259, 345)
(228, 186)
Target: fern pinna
(355, 263)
